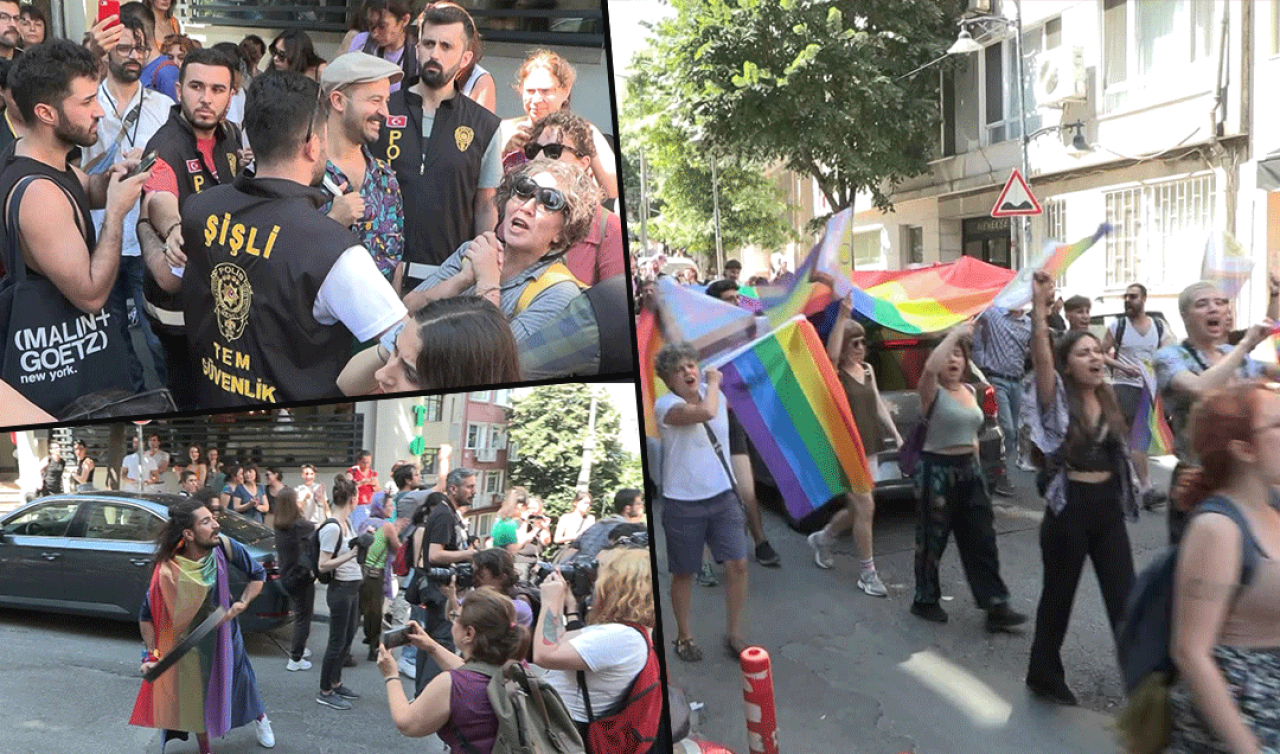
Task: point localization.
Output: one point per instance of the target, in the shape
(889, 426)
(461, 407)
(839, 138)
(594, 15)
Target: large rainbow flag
(649, 339)
(785, 392)
(1054, 259)
(927, 299)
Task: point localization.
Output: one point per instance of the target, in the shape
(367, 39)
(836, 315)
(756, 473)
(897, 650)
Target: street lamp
(1020, 231)
(700, 138)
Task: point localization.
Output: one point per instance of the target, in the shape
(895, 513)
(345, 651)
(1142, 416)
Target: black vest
(257, 253)
(439, 179)
(175, 143)
(16, 168)
(408, 59)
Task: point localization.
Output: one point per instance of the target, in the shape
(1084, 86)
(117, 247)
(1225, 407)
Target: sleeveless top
(952, 423)
(470, 712)
(53, 475)
(862, 401)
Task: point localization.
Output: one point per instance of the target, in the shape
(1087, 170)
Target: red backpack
(633, 728)
(400, 564)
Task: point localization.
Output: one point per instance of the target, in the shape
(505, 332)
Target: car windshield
(244, 530)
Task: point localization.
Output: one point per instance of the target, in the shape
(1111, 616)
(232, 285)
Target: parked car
(91, 553)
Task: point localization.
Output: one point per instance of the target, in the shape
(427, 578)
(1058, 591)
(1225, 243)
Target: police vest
(258, 251)
(175, 143)
(408, 57)
(438, 179)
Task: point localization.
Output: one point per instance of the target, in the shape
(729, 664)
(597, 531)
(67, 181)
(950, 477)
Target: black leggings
(343, 612)
(301, 603)
(1092, 524)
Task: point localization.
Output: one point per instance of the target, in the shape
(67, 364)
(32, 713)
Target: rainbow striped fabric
(1226, 263)
(1054, 259)
(1150, 432)
(928, 299)
(785, 393)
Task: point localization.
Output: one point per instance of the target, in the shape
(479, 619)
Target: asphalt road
(857, 674)
(69, 685)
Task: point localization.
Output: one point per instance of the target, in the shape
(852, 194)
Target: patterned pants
(952, 496)
(1253, 678)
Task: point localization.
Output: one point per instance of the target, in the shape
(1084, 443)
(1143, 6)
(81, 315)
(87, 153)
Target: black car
(90, 554)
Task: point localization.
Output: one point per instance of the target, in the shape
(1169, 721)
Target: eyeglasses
(279, 54)
(553, 199)
(127, 51)
(6, 18)
(553, 151)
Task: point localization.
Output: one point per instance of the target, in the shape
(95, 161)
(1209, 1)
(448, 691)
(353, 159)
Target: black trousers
(441, 629)
(1092, 524)
(343, 612)
(952, 497)
(371, 606)
(182, 373)
(301, 604)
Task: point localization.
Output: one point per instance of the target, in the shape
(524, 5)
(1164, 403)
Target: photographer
(496, 569)
(533, 535)
(442, 540)
(338, 554)
(613, 647)
(628, 508)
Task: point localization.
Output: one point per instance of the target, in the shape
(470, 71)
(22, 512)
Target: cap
(358, 68)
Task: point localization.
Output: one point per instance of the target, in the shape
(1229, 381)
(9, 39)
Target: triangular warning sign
(1016, 198)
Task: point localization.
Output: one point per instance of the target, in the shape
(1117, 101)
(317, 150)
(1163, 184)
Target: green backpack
(532, 718)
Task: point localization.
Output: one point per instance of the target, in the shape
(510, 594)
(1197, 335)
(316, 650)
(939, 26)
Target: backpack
(556, 273)
(401, 566)
(532, 718)
(1146, 631)
(312, 552)
(633, 727)
(1122, 322)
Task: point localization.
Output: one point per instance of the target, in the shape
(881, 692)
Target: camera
(579, 575)
(443, 574)
(395, 637)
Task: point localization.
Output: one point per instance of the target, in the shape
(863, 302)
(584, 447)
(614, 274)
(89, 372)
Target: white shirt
(690, 468)
(1137, 350)
(329, 535)
(614, 654)
(136, 468)
(356, 294)
(311, 495)
(152, 114)
(161, 458)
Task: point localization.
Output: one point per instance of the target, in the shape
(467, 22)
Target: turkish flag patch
(397, 121)
(193, 166)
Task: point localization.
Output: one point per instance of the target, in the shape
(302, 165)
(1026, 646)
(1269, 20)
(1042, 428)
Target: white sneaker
(298, 665)
(870, 583)
(408, 670)
(821, 551)
(306, 653)
(266, 737)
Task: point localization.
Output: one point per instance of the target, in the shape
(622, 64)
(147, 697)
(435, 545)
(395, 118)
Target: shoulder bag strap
(1249, 545)
(1190, 349)
(586, 697)
(715, 443)
(13, 262)
(1122, 322)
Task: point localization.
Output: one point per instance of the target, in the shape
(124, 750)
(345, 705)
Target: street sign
(1016, 199)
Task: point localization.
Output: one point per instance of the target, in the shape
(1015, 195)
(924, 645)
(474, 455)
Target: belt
(419, 271)
(165, 317)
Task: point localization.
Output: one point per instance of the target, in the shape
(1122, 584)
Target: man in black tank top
(55, 88)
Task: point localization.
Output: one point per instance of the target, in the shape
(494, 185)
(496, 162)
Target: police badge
(232, 296)
(463, 136)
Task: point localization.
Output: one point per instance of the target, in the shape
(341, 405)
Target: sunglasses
(553, 151)
(279, 54)
(553, 199)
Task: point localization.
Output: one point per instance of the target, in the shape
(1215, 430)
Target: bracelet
(389, 679)
(485, 291)
(150, 655)
(169, 232)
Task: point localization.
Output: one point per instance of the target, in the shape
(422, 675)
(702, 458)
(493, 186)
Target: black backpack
(312, 552)
(1122, 322)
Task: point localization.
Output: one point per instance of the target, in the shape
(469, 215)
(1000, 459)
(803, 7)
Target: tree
(549, 427)
(831, 89)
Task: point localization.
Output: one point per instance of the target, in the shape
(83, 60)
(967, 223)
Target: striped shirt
(1000, 343)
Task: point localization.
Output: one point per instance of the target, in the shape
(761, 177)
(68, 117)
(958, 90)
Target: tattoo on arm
(550, 629)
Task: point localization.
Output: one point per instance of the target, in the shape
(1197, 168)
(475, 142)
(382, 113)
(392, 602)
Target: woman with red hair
(1226, 633)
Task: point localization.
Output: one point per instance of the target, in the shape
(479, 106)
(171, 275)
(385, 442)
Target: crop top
(1094, 454)
(952, 423)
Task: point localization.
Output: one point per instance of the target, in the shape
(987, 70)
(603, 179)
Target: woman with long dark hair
(1079, 438)
(292, 533)
(292, 50)
(338, 554)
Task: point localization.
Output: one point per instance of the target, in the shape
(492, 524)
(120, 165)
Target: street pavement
(857, 674)
(69, 686)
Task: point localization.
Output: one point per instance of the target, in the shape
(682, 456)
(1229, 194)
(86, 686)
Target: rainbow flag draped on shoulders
(785, 392)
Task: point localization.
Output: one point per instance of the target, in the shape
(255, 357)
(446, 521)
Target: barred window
(1157, 228)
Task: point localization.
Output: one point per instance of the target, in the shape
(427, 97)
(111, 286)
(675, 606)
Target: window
(50, 520)
(492, 482)
(1146, 44)
(980, 85)
(480, 396)
(495, 437)
(1055, 227)
(913, 244)
(128, 523)
(475, 436)
(1157, 228)
(867, 251)
(434, 405)
(502, 398)
(429, 461)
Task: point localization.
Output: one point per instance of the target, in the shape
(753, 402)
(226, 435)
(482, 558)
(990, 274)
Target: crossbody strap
(1190, 349)
(715, 443)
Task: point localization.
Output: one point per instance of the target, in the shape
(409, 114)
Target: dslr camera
(580, 575)
(443, 574)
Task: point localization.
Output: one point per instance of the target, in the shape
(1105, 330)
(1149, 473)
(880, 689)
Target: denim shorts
(717, 523)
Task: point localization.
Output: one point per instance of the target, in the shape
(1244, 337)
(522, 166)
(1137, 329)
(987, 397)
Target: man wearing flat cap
(366, 194)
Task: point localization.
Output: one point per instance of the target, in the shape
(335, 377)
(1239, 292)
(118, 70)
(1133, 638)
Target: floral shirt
(1170, 361)
(381, 230)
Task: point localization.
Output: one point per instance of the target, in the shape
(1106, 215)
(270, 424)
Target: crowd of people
(1067, 399)
(156, 182)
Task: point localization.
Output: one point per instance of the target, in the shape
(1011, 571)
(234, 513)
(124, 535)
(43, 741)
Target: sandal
(734, 645)
(688, 651)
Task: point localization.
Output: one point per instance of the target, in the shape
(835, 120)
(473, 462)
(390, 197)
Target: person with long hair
(338, 554)
(455, 704)
(216, 479)
(951, 490)
(847, 348)
(292, 533)
(496, 568)
(212, 689)
(194, 462)
(1226, 638)
(165, 23)
(244, 495)
(274, 486)
(293, 50)
(614, 645)
(389, 34)
(576, 520)
(1079, 436)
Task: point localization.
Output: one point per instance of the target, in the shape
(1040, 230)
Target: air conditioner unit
(1060, 76)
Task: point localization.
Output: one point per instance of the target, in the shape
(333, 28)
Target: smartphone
(148, 162)
(395, 637)
(109, 8)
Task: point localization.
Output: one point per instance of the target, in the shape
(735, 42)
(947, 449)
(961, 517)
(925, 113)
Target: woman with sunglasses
(292, 50)
(566, 137)
(545, 83)
(847, 347)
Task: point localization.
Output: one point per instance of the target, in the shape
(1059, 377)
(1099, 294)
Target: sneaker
(1004, 489)
(708, 577)
(1152, 500)
(767, 556)
(306, 654)
(1025, 465)
(931, 611)
(1001, 618)
(821, 550)
(266, 736)
(345, 692)
(332, 700)
(408, 670)
(297, 665)
(870, 583)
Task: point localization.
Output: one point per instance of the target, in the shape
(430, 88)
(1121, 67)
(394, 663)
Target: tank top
(862, 402)
(470, 713)
(952, 423)
(53, 475)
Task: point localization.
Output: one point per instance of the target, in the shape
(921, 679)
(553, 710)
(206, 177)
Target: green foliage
(549, 426)
(822, 86)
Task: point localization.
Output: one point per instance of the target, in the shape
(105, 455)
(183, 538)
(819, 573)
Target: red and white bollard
(757, 696)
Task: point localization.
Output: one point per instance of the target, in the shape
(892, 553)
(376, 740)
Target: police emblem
(232, 296)
(463, 136)
(231, 158)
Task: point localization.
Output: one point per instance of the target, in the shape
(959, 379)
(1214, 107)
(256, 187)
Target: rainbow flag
(649, 340)
(712, 326)
(1226, 263)
(928, 299)
(1150, 431)
(1055, 259)
(784, 390)
(807, 295)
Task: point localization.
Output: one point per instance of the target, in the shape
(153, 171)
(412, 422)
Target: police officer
(274, 290)
(447, 178)
(196, 149)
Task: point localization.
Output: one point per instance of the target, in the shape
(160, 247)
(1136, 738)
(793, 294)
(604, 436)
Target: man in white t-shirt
(700, 505)
(135, 468)
(1135, 337)
(157, 463)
